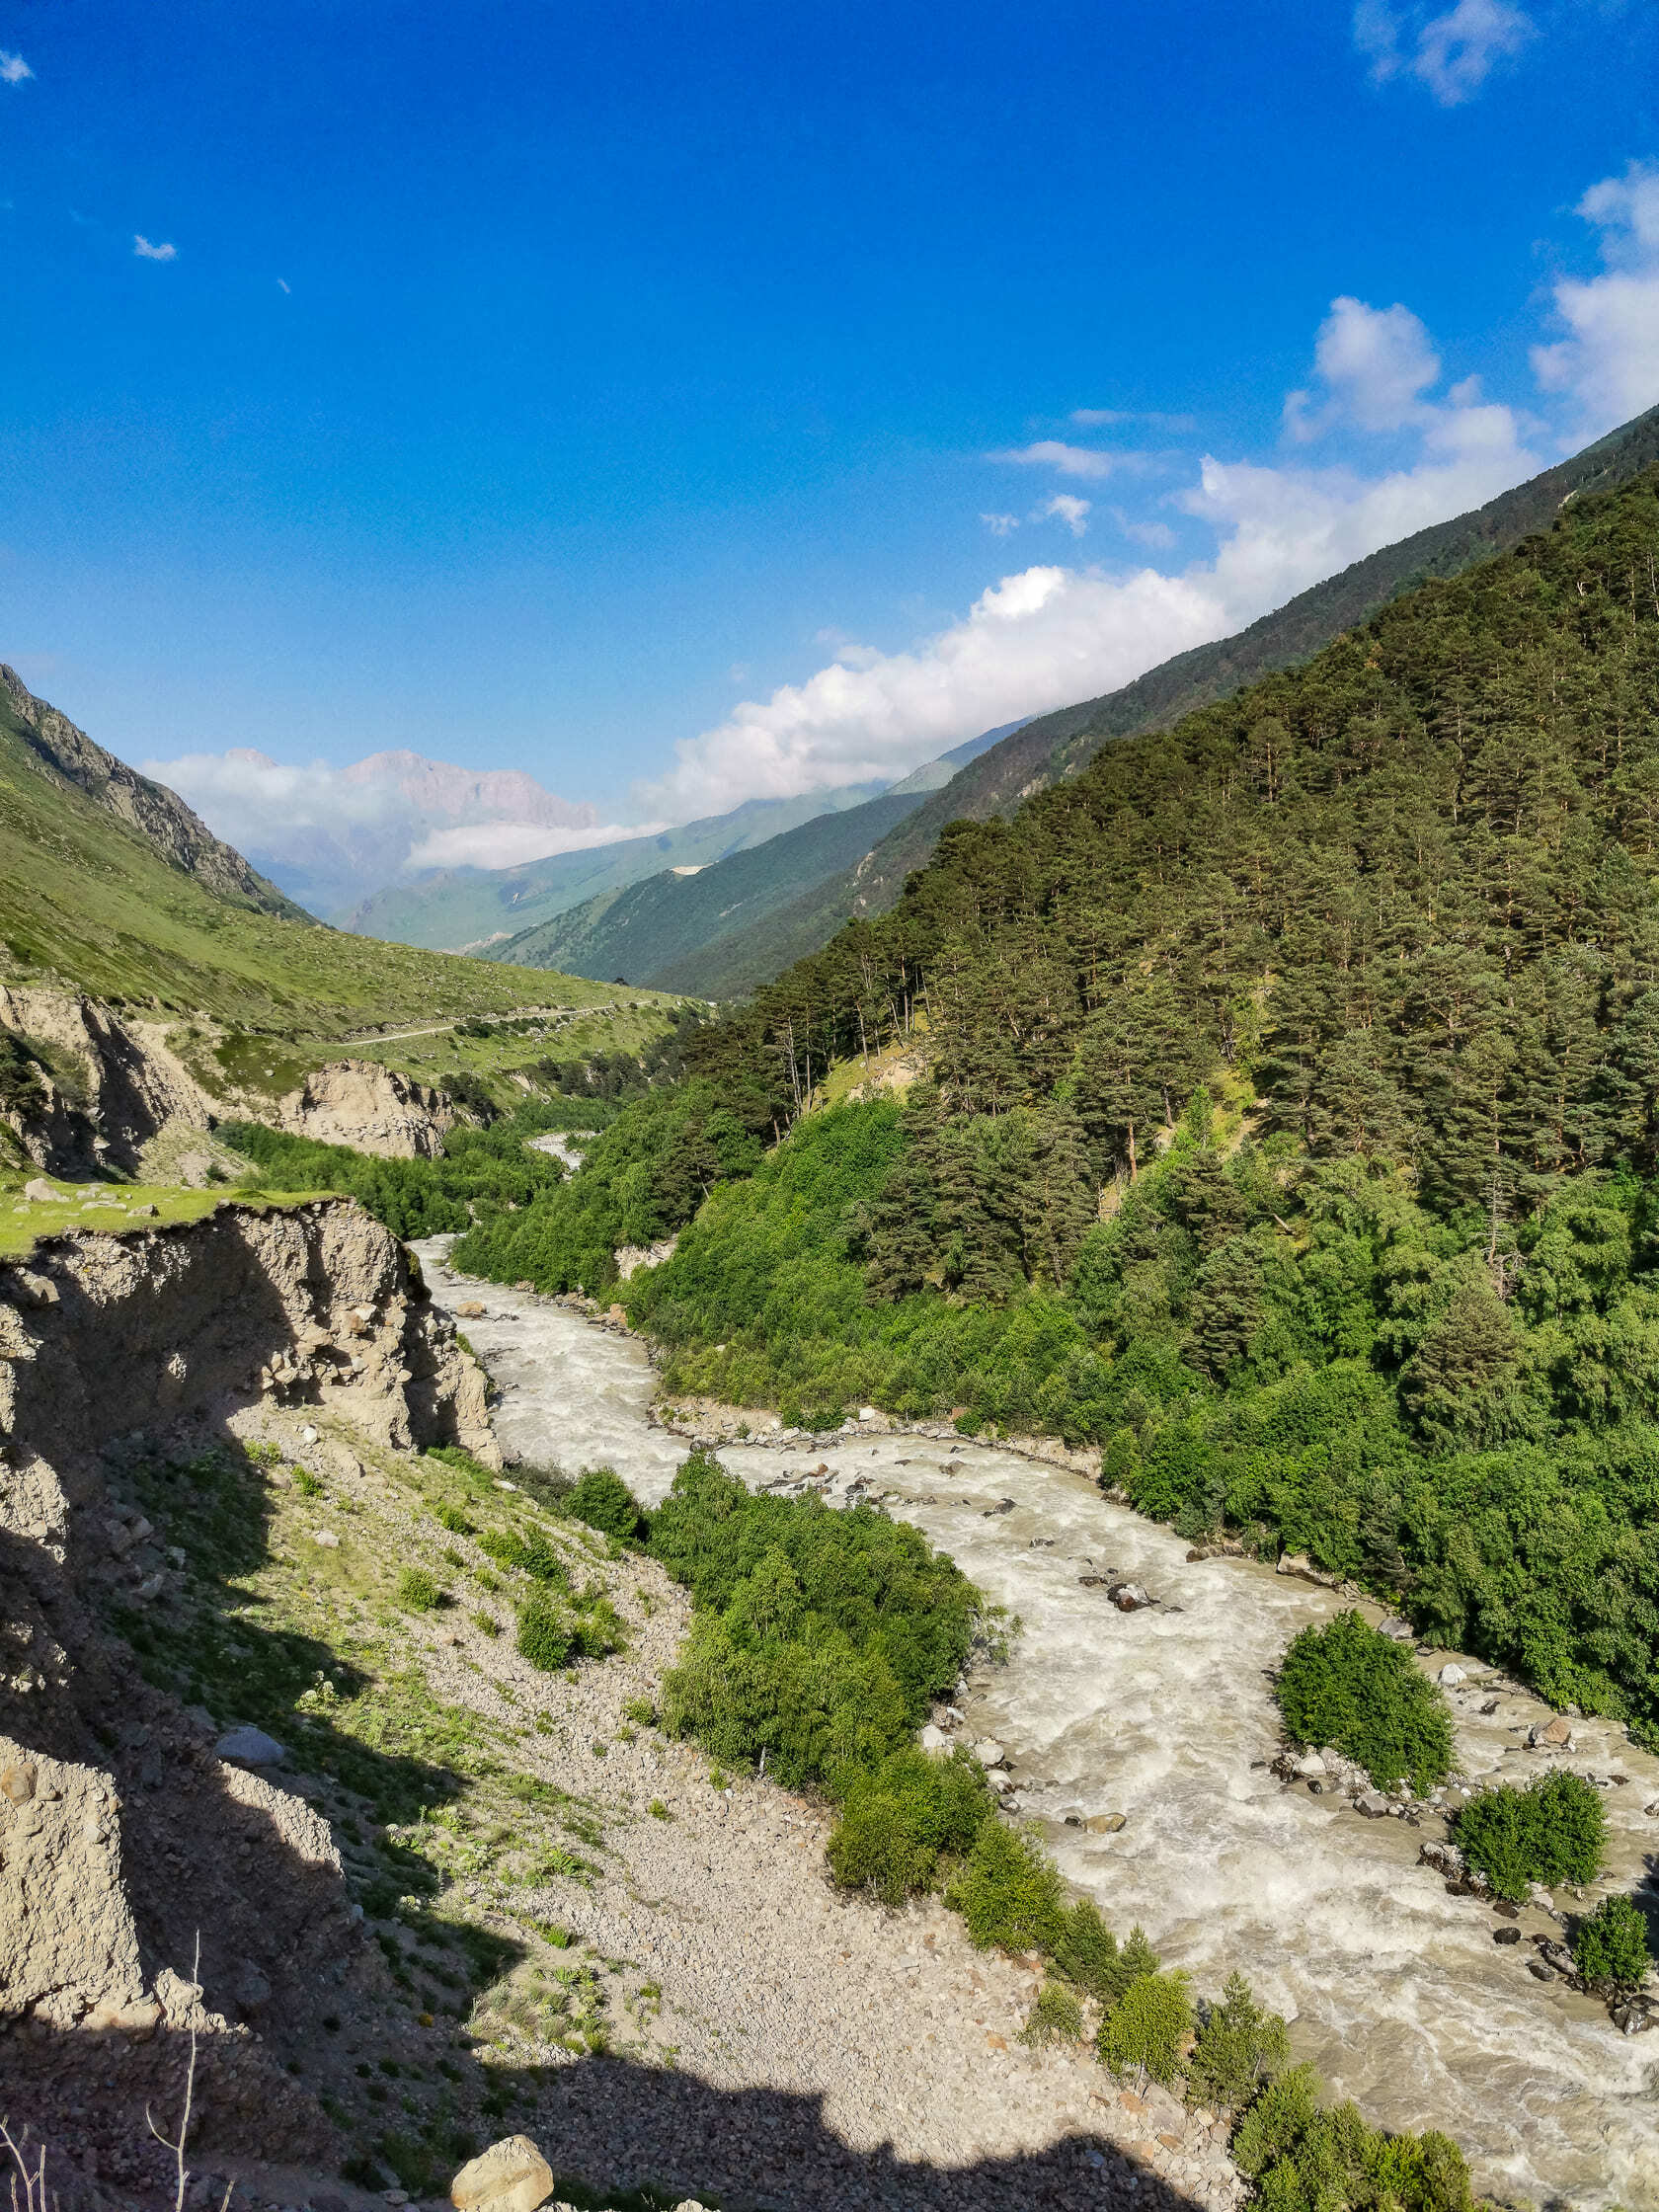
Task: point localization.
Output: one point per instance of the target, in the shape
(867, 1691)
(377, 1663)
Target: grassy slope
(1058, 744)
(474, 905)
(672, 925)
(86, 903)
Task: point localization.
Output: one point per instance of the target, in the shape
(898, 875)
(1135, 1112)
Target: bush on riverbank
(1347, 1684)
(901, 1824)
(1552, 1829)
(1306, 2159)
(819, 1638)
(1610, 1946)
(483, 1168)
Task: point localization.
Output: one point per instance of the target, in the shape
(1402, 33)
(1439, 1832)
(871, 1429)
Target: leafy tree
(1610, 1946)
(1009, 1892)
(1347, 1684)
(603, 1500)
(1240, 2048)
(1146, 2033)
(1553, 1830)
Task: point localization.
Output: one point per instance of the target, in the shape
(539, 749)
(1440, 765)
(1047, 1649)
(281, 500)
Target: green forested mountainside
(467, 908)
(1054, 745)
(89, 901)
(1289, 1131)
(39, 736)
(671, 926)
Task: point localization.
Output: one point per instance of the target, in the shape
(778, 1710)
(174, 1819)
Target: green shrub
(419, 1592)
(604, 1501)
(640, 1709)
(1552, 1829)
(1349, 1685)
(546, 1636)
(306, 1483)
(1055, 2017)
(1610, 1946)
(531, 1554)
(1146, 2030)
(1087, 1954)
(1240, 2049)
(819, 1637)
(452, 1516)
(1009, 1893)
(1305, 2159)
(898, 1822)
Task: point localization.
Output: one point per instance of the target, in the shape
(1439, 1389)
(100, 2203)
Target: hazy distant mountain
(466, 909)
(330, 835)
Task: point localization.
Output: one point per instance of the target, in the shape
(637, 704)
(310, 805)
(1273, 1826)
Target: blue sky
(688, 401)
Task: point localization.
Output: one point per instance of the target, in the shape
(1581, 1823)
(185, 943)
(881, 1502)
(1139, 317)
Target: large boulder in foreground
(511, 2175)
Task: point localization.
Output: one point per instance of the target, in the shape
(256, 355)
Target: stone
(146, 1211)
(250, 1747)
(932, 1738)
(1452, 1674)
(1308, 1765)
(1550, 1735)
(1372, 1804)
(1105, 1824)
(1540, 1971)
(1396, 1632)
(326, 1538)
(38, 1191)
(309, 1435)
(868, 1413)
(511, 2175)
(1506, 1934)
(988, 1752)
(1129, 1597)
(18, 1783)
(469, 1310)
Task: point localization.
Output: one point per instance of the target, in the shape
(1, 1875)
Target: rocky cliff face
(116, 1084)
(121, 1828)
(158, 815)
(371, 1108)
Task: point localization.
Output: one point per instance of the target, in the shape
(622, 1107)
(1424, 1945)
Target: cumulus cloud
(1609, 360)
(242, 793)
(1452, 54)
(1046, 635)
(13, 68)
(509, 844)
(1063, 507)
(1000, 524)
(144, 251)
(1375, 363)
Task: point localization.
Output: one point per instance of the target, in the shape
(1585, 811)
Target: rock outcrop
(58, 748)
(101, 1336)
(102, 1087)
(371, 1108)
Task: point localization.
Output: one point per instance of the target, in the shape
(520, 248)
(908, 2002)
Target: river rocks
(933, 1738)
(1506, 1934)
(1397, 1631)
(250, 1747)
(988, 1752)
(1372, 1804)
(1104, 1824)
(1451, 1675)
(1445, 1859)
(1130, 1596)
(511, 2175)
(1634, 2016)
(1550, 1735)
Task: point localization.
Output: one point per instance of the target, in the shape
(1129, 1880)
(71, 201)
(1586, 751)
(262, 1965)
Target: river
(1396, 1990)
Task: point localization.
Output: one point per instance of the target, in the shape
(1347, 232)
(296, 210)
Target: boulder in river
(1372, 1804)
(1550, 1735)
(1452, 1674)
(1104, 1824)
(1130, 1596)
(988, 1752)
(932, 1738)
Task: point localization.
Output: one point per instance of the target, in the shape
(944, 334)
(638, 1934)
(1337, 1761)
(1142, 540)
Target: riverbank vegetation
(1347, 1684)
(819, 1640)
(478, 1169)
(1552, 1830)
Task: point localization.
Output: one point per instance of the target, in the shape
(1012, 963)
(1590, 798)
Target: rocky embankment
(122, 1833)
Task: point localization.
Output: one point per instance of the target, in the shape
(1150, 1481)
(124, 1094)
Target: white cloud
(1063, 507)
(1610, 361)
(282, 285)
(509, 844)
(13, 68)
(1100, 417)
(144, 251)
(1000, 524)
(1452, 54)
(1375, 362)
(1070, 460)
(1046, 636)
(1159, 537)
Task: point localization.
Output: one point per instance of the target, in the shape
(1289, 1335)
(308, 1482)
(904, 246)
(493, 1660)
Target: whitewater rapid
(1396, 1990)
